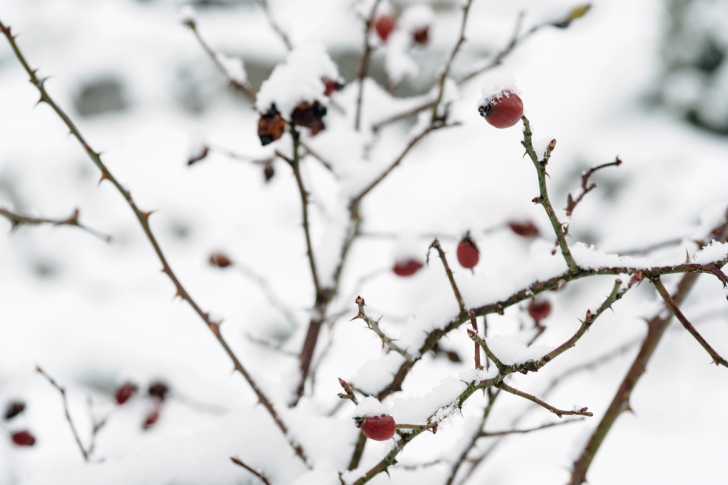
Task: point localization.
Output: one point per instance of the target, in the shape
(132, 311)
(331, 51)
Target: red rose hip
(383, 26)
(23, 438)
(125, 392)
(377, 428)
(468, 253)
(539, 310)
(406, 267)
(502, 111)
(523, 229)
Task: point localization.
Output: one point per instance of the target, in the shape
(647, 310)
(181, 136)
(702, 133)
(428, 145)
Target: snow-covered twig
(17, 220)
(143, 218)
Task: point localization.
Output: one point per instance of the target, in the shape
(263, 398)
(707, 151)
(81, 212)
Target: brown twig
(143, 218)
(364, 64)
(544, 404)
(486, 434)
(17, 220)
(502, 368)
(244, 88)
(436, 244)
(261, 476)
(670, 303)
(274, 25)
(585, 188)
(655, 330)
(448, 64)
(62, 390)
(474, 323)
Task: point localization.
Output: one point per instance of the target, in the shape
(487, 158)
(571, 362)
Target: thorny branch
(670, 303)
(586, 187)
(543, 198)
(374, 325)
(143, 218)
(17, 220)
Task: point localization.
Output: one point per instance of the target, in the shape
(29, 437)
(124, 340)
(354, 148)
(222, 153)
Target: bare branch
(374, 325)
(17, 220)
(585, 188)
(528, 430)
(255, 472)
(62, 390)
(448, 64)
(717, 359)
(364, 67)
(143, 218)
(436, 244)
(544, 404)
(274, 25)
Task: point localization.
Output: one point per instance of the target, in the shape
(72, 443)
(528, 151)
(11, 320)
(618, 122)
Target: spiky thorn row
(17, 220)
(143, 218)
(374, 325)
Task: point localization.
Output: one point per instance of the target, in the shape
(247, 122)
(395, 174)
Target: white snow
(510, 351)
(234, 67)
(476, 375)
(497, 83)
(416, 17)
(715, 251)
(297, 80)
(712, 216)
(370, 406)
(187, 15)
(397, 62)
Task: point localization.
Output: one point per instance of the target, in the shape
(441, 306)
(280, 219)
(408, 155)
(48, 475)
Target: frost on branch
(234, 68)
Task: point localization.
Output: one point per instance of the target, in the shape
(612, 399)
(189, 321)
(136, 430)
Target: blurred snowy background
(642, 80)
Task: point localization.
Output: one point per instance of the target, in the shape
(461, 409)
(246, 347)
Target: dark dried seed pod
(271, 126)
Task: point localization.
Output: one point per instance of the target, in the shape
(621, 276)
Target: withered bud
(198, 156)
(158, 390)
(220, 260)
(421, 36)
(271, 126)
(330, 86)
(13, 409)
(268, 171)
(309, 115)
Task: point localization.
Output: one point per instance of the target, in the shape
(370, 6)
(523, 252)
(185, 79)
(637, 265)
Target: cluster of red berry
(157, 391)
(21, 437)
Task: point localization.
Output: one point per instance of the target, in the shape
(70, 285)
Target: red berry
(502, 111)
(384, 25)
(151, 418)
(539, 310)
(523, 229)
(125, 392)
(468, 253)
(378, 428)
(23, 438)
(407, 267)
